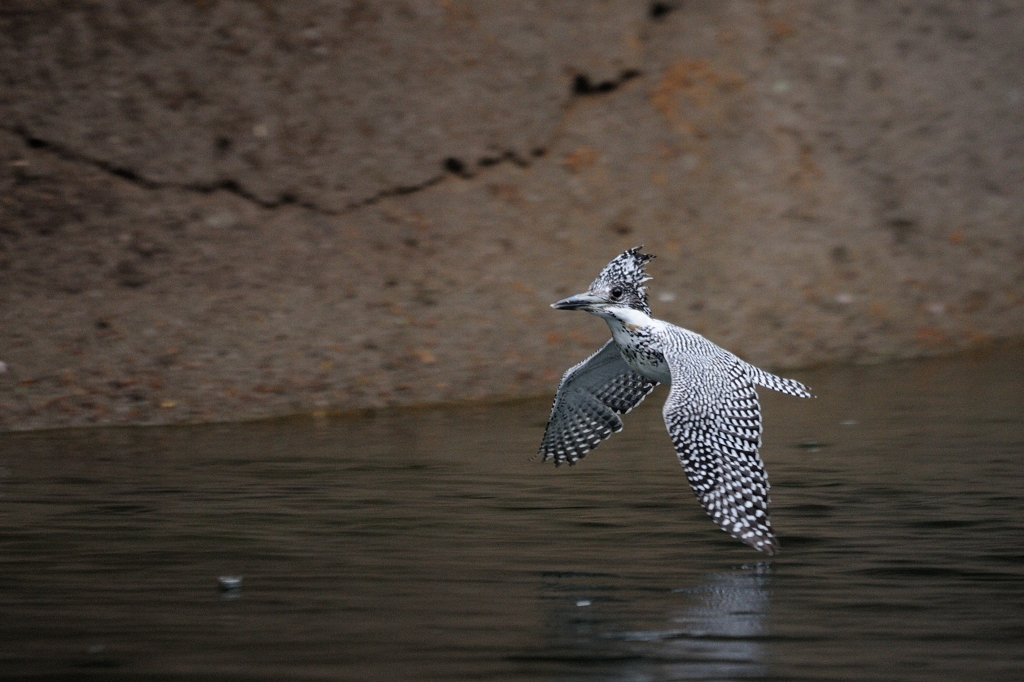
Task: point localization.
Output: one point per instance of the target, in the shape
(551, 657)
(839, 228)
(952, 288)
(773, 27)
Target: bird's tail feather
(780, 384)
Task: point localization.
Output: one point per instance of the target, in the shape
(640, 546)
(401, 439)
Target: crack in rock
(63, 152)
(451, 166)
(582, 86)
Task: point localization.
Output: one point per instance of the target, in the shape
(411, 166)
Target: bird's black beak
(578, 302)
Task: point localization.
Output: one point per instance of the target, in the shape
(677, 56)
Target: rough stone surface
(221, 210)
(326, 104)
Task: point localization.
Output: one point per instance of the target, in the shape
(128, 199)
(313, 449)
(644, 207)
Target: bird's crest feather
(627, 270)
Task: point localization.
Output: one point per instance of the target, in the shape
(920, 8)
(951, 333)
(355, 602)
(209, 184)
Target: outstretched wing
(588, 403)
(714, 419)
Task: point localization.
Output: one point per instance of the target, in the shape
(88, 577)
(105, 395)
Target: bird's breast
(638, 342)
(645, 360)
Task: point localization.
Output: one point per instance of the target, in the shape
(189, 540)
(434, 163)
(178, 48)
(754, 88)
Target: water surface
(426, 544)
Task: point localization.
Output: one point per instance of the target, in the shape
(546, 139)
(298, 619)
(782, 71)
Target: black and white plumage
(711, 413)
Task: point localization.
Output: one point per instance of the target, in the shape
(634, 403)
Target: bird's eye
(616, 293)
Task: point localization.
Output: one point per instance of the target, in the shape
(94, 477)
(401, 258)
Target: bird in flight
(711, 413)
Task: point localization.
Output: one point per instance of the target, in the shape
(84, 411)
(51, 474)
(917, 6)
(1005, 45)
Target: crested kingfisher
(712, 413)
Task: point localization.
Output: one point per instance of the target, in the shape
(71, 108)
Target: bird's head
(620, 285)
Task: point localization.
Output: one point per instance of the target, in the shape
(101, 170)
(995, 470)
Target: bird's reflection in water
(713, 630)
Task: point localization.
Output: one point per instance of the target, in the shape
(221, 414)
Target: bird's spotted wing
(714, 419)
(588, 403)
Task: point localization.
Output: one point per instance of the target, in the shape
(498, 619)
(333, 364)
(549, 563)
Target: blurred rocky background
(226, 209)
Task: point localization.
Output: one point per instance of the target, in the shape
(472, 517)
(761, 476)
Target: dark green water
(427, 545)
